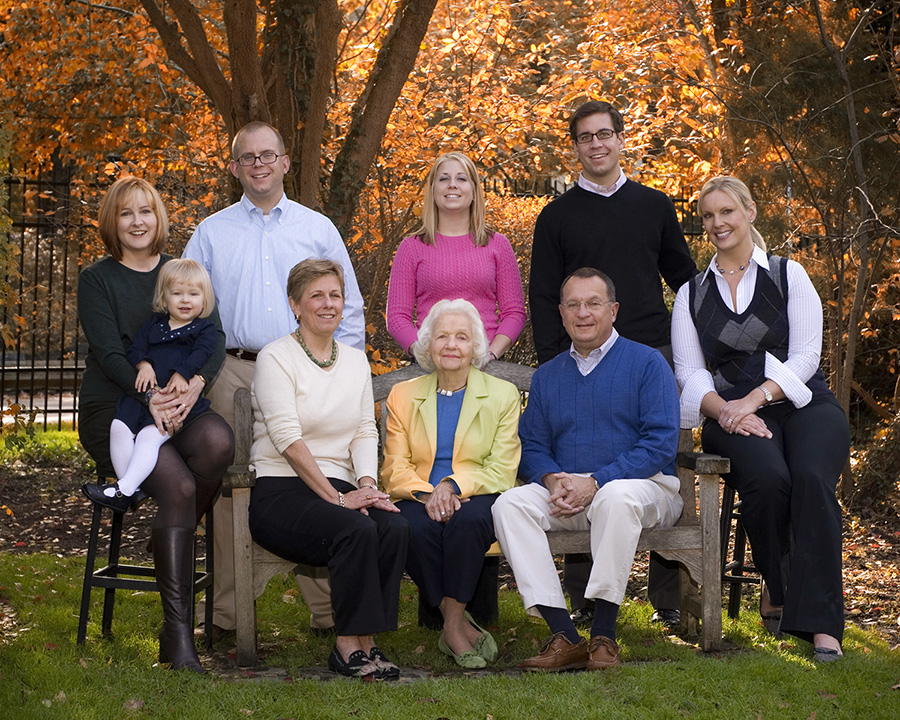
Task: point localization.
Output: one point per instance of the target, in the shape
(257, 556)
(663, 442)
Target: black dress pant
(445, 559)
(364, 554)
(789, 509)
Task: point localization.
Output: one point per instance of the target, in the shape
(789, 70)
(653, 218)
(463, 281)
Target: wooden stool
(733, 570)
(119, 576)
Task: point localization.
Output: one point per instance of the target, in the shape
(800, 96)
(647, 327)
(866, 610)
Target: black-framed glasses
(586, 137)
(267, 158)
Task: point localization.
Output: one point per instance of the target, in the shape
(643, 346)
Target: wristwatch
(765, 391)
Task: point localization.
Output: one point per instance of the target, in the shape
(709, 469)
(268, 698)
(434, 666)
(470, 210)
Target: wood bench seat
(693, 541)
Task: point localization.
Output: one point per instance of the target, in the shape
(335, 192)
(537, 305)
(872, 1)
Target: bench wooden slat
(694, 541)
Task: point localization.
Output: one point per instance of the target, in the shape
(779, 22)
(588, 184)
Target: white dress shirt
(804, 310)
(586, 364)
(249, 258)
(604, 190)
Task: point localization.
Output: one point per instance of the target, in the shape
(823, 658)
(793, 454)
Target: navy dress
(184, 350)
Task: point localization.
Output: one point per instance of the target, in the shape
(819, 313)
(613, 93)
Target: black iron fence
(53, 216)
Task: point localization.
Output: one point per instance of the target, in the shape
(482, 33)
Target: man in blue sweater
(599, 438)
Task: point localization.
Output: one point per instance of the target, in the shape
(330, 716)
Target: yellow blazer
(486, 449)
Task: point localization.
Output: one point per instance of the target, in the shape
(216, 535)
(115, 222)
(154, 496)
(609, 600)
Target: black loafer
(118, 503)
(386, 669)
(358, 665)
(668, 617)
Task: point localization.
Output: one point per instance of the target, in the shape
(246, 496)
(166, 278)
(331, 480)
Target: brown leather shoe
(602, 653)
(558, 654)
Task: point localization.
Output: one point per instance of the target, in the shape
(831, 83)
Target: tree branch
(373, 108)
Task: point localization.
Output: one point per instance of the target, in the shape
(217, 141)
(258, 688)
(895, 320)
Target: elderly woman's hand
(442, 502)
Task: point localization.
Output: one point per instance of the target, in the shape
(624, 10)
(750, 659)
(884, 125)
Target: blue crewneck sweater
(619, 421)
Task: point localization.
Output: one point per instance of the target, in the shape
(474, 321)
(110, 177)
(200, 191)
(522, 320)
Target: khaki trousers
(313, 581)
(615, 517)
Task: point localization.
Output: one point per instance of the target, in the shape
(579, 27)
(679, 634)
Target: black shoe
(826, 655)
(387, 669)
(358, 665)
(583, 617)
(118, 503)
(668, 617)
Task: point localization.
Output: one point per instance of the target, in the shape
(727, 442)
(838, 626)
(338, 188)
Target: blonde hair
(119, 193)
(188, 272)
(738, 192)
(481, 235)
(422, 346)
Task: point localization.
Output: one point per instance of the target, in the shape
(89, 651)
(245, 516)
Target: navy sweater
(619, 421)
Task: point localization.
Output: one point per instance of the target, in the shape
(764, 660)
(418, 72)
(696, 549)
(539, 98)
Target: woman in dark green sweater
(114, 299)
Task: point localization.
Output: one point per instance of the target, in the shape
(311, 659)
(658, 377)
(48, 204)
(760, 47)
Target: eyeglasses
(267, 158)
(586, 137)
(593, 305)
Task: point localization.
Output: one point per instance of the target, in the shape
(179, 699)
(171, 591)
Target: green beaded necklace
(320, 363)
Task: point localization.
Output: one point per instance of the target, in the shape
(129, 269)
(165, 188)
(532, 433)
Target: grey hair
(422, 346)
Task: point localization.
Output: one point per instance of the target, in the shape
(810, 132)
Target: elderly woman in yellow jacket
(451, 448)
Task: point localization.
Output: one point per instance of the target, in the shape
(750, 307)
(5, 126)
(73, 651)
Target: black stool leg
(740, 549)
(109, 594)
(88, 584)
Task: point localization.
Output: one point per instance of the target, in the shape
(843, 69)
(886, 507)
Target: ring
(443, 513)
(728, 421)
(368, 497)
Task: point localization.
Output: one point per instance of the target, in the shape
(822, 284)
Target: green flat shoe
(485, 646)
(469, 659)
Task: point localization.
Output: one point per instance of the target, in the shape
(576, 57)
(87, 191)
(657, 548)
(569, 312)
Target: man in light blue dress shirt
(248, 249)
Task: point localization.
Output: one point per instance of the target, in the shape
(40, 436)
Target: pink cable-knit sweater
(488, 277)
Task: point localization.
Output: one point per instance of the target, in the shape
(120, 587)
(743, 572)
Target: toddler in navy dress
(169, 348)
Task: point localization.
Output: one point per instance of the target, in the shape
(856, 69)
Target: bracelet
(491, 353)
(340, 499)
(202, 379)
(369, 485)
(148, 396)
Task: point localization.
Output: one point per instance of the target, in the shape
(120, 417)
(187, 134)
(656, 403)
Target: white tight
(133, 456)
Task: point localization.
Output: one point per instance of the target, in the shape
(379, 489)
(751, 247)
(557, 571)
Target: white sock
(143, 460)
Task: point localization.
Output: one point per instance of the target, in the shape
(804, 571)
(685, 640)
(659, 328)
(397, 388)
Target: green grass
(46, 448)
(44, 674)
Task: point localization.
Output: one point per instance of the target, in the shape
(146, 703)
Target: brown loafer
(602, 653)
(558, 654)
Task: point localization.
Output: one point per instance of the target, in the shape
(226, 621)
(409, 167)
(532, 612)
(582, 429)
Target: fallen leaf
(419, 650)
(133, 705)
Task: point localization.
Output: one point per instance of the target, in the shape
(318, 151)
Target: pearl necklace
(450, 393)
(320, 363)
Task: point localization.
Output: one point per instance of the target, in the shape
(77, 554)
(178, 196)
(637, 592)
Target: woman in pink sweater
(454, 255)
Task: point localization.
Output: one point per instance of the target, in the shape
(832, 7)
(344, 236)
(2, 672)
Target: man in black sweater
(630, 232)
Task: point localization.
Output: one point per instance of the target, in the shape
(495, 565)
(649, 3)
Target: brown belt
(242, 354)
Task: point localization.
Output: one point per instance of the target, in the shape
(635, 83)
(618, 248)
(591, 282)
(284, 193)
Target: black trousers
(364, 554)
(789, 509)
(445, 559)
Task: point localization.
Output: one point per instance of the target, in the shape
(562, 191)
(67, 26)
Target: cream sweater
(330, 410)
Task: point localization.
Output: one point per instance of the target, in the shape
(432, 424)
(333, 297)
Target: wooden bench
(693, 541)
